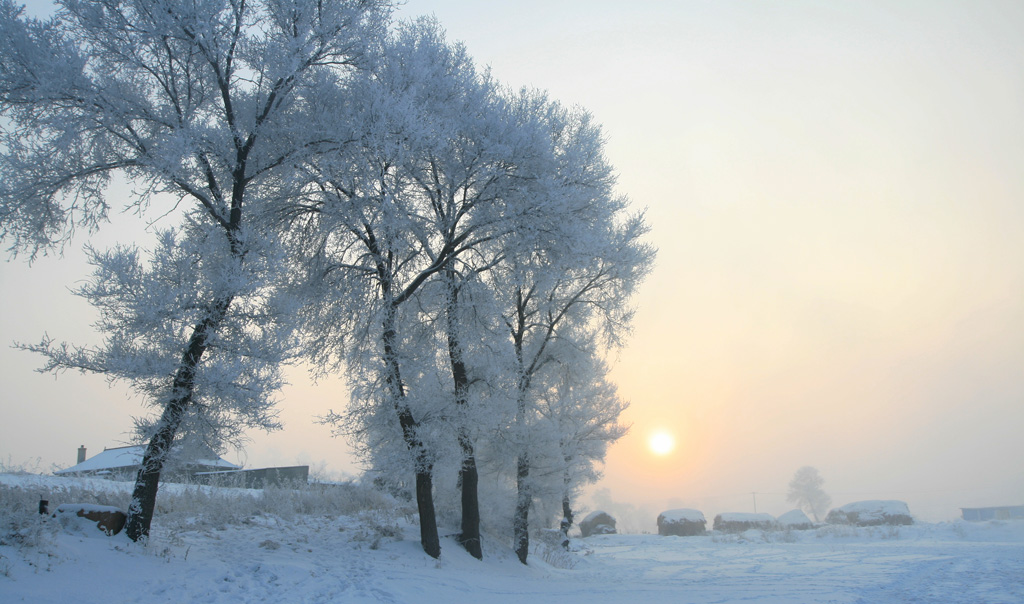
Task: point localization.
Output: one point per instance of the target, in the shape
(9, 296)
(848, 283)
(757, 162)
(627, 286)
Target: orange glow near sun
(661, 443)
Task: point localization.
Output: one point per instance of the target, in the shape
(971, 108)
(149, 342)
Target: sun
(661, 443)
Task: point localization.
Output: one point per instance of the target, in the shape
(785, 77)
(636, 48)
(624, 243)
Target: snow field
(369, 553)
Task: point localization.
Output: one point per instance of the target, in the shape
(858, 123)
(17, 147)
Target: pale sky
(836, 190)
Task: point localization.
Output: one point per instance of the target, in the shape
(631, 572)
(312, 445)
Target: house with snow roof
(195, 464)
(1003, 512)
(123, 463)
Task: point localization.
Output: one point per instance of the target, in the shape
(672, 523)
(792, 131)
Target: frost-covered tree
(384, 220)
(576, 276)
(575, 415)
(149, 303)
(806, 493)
(449, 180)
(211, 104)
(489, 188)
(583, 409)
(565, 420)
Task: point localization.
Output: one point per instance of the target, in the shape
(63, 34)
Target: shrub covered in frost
(21, 525)
(181, 507)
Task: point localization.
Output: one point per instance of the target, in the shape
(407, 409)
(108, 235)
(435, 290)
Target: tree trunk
(469, 479)
(567, 518)
(469, 538)
(147, 482)
(424, 486)
(521, 520)
(428, 519)
(524, 498)
(424, 468)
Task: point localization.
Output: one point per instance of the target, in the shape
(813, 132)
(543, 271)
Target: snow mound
(108, 519)
(86, 508)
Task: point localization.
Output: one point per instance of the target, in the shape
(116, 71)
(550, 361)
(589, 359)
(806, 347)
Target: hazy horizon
(836, 194)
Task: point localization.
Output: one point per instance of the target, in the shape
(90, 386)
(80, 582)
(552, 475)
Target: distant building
(1006, 512)
(122, 463)
(198, 465)
(257, 478)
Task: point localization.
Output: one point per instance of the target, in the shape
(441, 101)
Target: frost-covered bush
(32, 466)
(376, 527)
(217, 507)
(21, 525)
(849, 531)
(188, 507)
(730, 538)
(780, 535)
(196, 505)
(556, 556)
(836, 531)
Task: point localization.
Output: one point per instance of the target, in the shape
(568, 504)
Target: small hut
(739, 522)
(682, 523)
(871, 513)
(1005, 512)
(123, 463)
(794, 520)
(598, 523)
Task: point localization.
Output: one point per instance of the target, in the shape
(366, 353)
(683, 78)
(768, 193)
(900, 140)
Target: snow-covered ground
(360, 558)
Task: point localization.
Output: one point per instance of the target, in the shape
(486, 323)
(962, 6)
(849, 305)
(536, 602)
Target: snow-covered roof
(683, 515)
(793, 518)
(110, 459)
(123, 458)
(593, 515)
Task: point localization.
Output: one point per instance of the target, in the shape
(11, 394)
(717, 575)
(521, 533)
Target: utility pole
(754, 494)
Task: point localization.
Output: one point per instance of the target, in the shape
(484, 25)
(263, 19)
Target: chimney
(81, 454)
